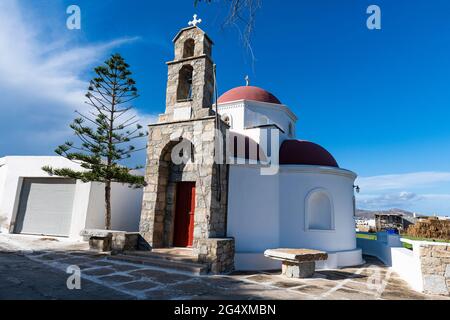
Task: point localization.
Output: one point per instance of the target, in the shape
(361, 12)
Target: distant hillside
(368, 214)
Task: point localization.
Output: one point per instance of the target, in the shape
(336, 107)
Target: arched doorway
(176, 196)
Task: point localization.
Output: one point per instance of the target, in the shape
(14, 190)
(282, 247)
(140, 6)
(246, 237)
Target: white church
(271, 191)
(308, 202)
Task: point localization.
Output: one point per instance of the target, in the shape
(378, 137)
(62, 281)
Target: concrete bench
(297, 263)
(110, 240)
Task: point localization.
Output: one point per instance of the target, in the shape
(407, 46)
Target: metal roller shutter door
(45, 206)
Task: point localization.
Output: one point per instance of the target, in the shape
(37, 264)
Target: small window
(184, 91)
(354, 206)
(189, 48)
(291, 129)
(319, 211)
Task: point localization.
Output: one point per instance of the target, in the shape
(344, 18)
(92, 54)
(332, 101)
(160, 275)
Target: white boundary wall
(88, 207)
(406, 263)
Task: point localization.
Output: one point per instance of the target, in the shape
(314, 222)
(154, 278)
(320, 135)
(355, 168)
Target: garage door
(45, 206)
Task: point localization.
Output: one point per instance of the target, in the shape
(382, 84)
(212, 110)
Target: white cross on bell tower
(195, 21)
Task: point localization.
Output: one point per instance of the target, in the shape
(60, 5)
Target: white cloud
(402, 181)
(389, 200)
(424, 192)
(428, 204)
(41, 82)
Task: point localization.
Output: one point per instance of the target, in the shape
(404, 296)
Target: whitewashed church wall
(260, 114)
(252, 209)
(269, 212)
(261, 206)
(294, 191)
(236, 114)
(247, 114)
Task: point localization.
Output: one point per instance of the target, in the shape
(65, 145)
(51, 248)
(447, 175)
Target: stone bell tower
(185, 202)
(190, 82)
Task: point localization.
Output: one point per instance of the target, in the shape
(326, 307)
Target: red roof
(248, 93)
(305, 153)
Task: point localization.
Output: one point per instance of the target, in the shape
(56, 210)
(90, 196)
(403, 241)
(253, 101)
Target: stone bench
(110, 240)
(297, 263)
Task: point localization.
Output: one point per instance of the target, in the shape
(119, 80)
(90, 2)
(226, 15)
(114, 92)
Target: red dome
(248, 93)
(306, 153)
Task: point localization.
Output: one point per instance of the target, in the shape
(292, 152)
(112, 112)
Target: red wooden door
(184, 215)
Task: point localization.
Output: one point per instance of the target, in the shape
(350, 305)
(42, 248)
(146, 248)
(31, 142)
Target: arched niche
(319, 211)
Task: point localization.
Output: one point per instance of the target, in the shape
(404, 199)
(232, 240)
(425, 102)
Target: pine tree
(105, 133)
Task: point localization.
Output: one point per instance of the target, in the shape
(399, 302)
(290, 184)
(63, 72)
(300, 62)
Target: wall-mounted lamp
(357, 189)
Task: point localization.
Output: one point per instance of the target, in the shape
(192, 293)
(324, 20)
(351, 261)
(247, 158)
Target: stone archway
(175, 164)
(162, 174)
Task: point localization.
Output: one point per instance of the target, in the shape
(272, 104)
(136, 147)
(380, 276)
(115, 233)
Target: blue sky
(379, 101)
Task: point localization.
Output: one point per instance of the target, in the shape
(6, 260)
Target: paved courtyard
(41, 274)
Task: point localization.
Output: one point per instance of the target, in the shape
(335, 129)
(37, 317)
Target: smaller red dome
(305, 153)
(248, 93)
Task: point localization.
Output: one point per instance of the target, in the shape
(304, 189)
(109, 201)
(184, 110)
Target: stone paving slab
(288, 284)
(261, 278)
(54, 256)
(75, 261)
(349, 294)
(337, 275)
(193, 287)
(107, 279)
(102, 271)
(359, 286)
(313, 290)
(118, 278)
(161, 276)
(124, 267)
(22, 279)
(164, 295)
(100, 264)
(139, 285)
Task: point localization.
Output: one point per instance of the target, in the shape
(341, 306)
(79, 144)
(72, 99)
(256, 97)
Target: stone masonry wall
(202, 42)
(202, 78)
(210, 213)
(189, 121)
(435, 263)
(217, 253)
(202, 88)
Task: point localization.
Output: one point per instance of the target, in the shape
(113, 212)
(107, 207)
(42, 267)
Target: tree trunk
(108, 205)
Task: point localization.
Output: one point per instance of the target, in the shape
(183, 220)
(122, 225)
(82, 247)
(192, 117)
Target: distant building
(442, 217)
(364, 224)
(392, 221)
